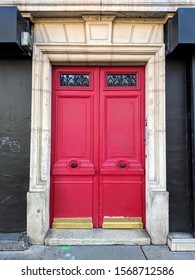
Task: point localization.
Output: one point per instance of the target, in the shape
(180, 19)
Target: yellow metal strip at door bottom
(72, 223)
(122, 222)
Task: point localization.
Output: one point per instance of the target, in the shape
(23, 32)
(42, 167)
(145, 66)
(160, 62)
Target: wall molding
(98, 5)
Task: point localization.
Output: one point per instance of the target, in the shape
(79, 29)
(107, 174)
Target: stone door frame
(98, 48)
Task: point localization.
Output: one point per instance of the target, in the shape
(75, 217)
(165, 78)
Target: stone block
(13, 242)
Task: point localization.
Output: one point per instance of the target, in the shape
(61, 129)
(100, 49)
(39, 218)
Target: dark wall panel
(15, 100)
(177, 145)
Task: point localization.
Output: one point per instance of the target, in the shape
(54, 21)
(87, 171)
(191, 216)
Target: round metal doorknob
(73, 164)
(122, 164)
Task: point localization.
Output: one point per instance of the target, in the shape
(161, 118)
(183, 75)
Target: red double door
(98, 158)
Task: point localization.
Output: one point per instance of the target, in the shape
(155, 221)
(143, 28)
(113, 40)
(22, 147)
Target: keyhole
(73, 164)
(122, 164)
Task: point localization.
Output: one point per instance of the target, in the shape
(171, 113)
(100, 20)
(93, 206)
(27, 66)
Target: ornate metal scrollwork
(121, 80)
(74, 80)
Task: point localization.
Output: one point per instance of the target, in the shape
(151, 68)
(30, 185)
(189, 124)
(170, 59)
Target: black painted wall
(15, 101)
(177, 145)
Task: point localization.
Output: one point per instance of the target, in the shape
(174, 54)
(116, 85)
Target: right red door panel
(121, 145)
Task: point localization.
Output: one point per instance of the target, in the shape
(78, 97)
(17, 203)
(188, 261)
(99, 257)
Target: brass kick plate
(121, 222)
(72, 223)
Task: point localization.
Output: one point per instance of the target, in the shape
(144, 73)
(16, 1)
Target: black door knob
(122, 164)
(73, 164)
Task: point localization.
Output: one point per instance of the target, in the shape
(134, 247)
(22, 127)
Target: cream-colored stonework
(98, 41)
(98, 6)
(98, 32)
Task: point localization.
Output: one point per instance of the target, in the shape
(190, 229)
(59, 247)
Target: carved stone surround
(98, 41)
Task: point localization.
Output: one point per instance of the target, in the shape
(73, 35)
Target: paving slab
(108, 252)
(162, 252)
(100, 252)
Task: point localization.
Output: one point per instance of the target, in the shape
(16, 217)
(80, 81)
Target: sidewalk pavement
(97, 252)
(15, 246)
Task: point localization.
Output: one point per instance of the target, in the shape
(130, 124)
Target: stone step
(179, 241)
(97, 237)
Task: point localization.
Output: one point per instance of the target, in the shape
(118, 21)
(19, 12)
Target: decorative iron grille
(74, 80)
(121, 80)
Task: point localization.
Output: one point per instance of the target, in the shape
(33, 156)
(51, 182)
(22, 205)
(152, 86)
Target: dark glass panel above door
(121, 80)
(74, 80)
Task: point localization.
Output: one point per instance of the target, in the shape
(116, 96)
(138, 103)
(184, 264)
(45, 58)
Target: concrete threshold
(97, 237)
(179, 241)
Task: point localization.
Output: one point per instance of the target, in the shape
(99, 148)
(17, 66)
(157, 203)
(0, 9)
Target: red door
(98, 158)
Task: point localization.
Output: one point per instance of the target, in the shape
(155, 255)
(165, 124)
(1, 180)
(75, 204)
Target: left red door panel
(74, 147)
